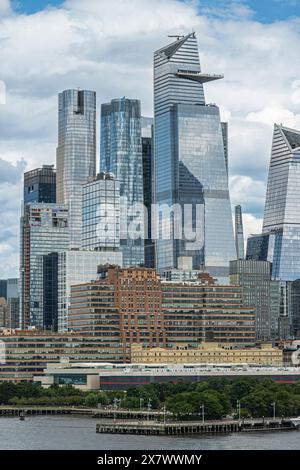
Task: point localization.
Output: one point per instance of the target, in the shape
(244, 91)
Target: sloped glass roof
(293, 137)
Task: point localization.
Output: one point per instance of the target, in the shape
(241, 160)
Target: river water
(71, 433)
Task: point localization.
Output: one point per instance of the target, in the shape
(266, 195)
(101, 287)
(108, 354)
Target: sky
(107, 45)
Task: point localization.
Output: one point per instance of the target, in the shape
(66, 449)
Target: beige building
(208, 353)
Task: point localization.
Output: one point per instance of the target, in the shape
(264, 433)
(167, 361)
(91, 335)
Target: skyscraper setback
(190, 163)
(76, 153)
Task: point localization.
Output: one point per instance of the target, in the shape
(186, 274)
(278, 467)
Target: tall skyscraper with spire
(282, 210)
(239, 233)
(190, 164)
(76, 153)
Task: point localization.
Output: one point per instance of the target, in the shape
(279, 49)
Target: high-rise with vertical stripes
(76, 153)
(282, 210)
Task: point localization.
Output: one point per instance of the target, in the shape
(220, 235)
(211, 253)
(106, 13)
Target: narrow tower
(239, 233)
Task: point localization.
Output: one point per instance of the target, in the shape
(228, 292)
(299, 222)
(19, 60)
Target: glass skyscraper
(76, 153)
(101, 213)
(121, 154)
(45, 230)
(78, 267)
(239, 233)
(190, 164)
(39, 188)
(282, 209)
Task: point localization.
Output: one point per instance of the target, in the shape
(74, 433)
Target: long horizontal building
(107, 377)
(196, 312)
(154, 313)
(27, 353)
(208, 353)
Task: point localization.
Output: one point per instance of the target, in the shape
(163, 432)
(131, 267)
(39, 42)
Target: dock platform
(191, 427)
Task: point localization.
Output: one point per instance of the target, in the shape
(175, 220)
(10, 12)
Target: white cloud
(275, 114)
(252, 225)
(108, 46)
(248, 192)
(234, 10)
(5, 8)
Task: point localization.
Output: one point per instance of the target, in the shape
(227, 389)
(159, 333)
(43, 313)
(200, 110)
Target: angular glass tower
(76, 153)
(190, 162)
(121, 154)
(282, 209)
(239, 233)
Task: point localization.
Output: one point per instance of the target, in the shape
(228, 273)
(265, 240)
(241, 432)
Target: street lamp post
(274, 410)
(115, 408)
(203, 412)
(149, 408)
(238, 406)
(164, 410)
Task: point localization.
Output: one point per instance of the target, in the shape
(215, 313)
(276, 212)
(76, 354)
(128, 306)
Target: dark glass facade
(50, 292)
(3, 288)
(190, 164)
(147, 149)
(40, 185)
(295, 308)
(258, 247)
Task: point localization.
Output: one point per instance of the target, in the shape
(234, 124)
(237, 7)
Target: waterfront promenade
(151, 423)
(68, 410)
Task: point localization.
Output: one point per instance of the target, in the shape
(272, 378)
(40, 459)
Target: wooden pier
(191, 427)
(92, 412)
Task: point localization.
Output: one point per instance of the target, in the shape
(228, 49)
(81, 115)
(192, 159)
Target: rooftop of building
(209, 345)
(106, 368)
(37, 170)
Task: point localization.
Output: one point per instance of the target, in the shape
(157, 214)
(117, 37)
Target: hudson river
(80, 433)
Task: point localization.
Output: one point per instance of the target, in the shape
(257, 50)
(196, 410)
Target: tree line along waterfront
(217, 398)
